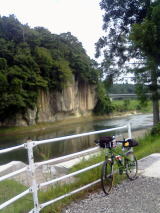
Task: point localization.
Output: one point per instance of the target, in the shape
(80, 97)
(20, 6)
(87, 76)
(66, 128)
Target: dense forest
(34, 58)
(122, 89)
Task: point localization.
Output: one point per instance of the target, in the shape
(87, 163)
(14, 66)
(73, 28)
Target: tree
(34, 59)
(118, 19)
(103, 105)
(146, 38)
(138, 21)
(124, 88)
(11, 29)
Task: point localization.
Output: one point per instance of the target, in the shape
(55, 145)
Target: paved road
(139, 196)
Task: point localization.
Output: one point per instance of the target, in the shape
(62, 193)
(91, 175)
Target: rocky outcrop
(75, 100)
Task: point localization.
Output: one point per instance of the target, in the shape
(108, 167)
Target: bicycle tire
(107, 177)
(131, 166)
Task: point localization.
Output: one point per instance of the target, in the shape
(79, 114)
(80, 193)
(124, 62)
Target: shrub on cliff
(103, 105)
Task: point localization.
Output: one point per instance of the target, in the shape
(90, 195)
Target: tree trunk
(155, 98)
(155, 103)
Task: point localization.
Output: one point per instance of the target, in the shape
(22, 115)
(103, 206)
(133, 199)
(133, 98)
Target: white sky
(83, 18)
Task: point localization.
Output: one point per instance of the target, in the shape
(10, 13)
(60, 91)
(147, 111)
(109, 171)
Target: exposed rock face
(77, 99)
(74, 101)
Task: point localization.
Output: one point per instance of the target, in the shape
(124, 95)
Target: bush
(156, 129)
(103, 105)
(126, 104)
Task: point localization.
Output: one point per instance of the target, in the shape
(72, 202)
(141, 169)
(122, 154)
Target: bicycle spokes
(107, 177)
(131, 166)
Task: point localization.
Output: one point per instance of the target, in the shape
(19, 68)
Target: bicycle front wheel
(131, 166)
(107, 176)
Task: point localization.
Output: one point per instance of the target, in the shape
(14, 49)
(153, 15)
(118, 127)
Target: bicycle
(125, 160)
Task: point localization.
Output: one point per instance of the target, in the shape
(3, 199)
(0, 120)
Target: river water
(138, 122)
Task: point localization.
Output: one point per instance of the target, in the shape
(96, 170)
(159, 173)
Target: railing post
(129, 130)
(29, 146)
(130, 133)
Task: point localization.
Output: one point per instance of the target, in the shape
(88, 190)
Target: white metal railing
(32, 166)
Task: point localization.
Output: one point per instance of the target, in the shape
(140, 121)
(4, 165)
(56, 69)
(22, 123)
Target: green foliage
(103, 105)
(31, 59)
(148, 144)
(63, 73)
(123, 105)
(117, 20)
(132, 31)
(131, 105)
(3, 64)
(145, 37)
(155, 129)
(3, 82)
(141, 90)
(126, 104)
(122, 89)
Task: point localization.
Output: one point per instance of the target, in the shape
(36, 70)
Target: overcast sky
(83, 18)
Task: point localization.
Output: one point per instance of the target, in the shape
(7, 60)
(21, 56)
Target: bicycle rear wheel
(107, 176)
(131, 166)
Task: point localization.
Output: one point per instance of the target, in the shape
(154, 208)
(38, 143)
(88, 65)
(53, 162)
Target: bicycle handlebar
(121, 141)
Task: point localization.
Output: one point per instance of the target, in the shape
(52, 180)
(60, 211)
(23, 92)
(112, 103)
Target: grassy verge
(9, 189)
(131, 105)
(147, 145)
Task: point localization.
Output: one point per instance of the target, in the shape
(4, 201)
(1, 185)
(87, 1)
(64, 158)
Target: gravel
(139, 196)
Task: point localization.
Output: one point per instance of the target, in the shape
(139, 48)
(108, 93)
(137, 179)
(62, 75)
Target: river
(138, 122)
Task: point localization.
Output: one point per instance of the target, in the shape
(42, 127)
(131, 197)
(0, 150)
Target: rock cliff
(75, 100)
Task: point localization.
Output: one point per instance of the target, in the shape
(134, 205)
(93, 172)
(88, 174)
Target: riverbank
(56, 125)
(122, 108)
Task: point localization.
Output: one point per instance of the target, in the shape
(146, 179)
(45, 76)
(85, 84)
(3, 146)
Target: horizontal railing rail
(35, 143)
(66, 157)
(13, 173)
(12, 200)
(32, 166)
(12, 149)
(68, 194)
(69, 175)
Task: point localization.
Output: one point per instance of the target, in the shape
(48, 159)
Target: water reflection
(50, 150)
(56, 149)
(60, 148)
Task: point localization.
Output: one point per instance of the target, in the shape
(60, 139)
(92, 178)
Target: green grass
(79, 180)
(131, 105)
(147, 145)
(9, 189)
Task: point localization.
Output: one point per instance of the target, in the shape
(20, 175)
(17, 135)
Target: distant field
(131, 105)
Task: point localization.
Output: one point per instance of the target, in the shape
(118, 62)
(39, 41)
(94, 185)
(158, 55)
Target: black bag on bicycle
(130, 143)
(105, 141)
